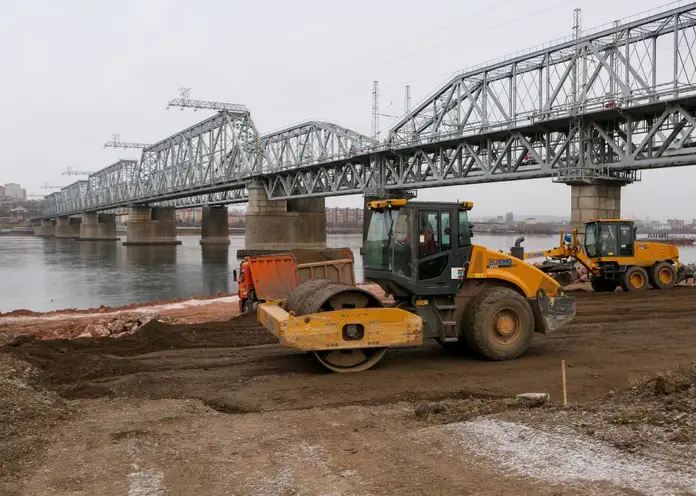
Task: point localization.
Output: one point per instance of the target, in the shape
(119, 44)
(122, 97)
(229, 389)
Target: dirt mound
(27, 412)
(64, 361)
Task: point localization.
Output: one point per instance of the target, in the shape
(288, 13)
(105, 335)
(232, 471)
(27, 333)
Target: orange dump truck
(273, 277)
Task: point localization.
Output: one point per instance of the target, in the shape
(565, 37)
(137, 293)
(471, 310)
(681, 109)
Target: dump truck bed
(275, 276)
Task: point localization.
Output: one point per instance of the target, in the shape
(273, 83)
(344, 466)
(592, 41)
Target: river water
(43, 274)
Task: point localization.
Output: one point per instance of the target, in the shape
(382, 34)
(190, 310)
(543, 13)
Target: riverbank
(93, 322)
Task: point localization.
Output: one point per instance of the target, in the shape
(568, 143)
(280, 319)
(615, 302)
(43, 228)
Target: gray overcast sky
(75, 71)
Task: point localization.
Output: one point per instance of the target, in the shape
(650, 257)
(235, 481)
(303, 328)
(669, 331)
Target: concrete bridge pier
(68, 227)
(46, 229)
(151, 226)
(283, 225)
(98, 227)
(214, 227)
(598, 199)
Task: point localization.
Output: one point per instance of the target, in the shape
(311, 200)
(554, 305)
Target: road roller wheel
(323, 295)
(500, 324)
(354, 360)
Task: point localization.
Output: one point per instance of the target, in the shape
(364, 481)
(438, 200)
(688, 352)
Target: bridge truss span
(310, 143)
(216, 153)
(615, 67)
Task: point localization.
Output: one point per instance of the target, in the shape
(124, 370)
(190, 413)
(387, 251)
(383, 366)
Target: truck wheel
(602, 285)
(500, 324)
(663, 276)
(634, 279)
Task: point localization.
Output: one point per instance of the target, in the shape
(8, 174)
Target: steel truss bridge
(599, 105)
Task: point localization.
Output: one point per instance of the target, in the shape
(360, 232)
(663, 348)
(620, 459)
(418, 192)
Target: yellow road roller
(444, 287)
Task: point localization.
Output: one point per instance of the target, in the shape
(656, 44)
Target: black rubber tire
(626, 277)
(654, 275)
(479, 333)
(602, 285)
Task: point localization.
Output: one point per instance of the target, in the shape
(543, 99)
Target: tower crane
(185, 101)
(117, 143)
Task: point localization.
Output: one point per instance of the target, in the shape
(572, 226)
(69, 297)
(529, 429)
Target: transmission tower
(48, 186)
(185, 101)
(69, 171)
(117, 143)
(375, 109)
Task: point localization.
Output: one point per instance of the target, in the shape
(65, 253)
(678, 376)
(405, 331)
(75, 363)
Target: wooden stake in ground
(563, 379)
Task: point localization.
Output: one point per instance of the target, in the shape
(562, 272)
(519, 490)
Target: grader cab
(614, 257)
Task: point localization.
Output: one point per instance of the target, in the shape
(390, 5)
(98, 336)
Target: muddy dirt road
(220, 406)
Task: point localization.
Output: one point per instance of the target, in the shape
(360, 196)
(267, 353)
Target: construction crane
(185, 101)
(117, 143)
(69, 171)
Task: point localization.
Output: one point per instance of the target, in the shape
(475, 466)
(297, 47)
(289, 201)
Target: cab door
(435, 236)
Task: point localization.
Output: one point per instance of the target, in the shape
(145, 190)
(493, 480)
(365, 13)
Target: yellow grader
(443, 286)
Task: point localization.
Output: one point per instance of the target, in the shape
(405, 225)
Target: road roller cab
(422, 254)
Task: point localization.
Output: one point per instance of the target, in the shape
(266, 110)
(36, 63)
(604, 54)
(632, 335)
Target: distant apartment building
(13, 191)
(2, 193)
(189, 215)
(676, 224)
(343, 217)
(509, 218)
(530, 221)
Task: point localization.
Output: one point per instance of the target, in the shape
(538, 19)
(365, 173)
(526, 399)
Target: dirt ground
(221, 408)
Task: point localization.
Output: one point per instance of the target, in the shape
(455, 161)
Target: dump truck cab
(422, 254)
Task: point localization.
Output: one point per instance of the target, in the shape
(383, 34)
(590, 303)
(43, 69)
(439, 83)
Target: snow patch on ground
(145, 482)
(305, 468)
(563, 456)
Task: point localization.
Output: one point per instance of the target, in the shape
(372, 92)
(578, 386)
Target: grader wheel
(602, 285)
(500, 324)
(323, 295)
(634, 279)
(663, 276)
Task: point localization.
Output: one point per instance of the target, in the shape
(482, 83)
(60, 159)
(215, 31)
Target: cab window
(429, 230)
(626, 240)
(464, 234)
